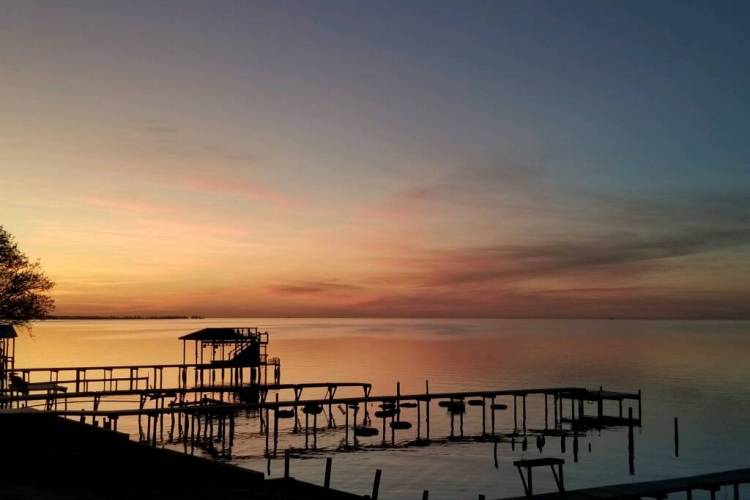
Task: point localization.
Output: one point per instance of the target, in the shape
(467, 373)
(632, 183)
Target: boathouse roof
(7, 332)
(216, 334)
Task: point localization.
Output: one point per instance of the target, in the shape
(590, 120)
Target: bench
(20, 385)
(530, 464)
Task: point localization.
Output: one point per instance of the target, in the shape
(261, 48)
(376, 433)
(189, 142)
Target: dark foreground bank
(43, 456)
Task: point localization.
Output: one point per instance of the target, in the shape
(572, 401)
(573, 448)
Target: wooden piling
(631, 444)
(327, 480)
(376, 484)
(427, 408)
(286, 463)
(676, 438)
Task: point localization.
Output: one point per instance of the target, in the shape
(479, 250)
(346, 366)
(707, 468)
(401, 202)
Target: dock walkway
(659, 489)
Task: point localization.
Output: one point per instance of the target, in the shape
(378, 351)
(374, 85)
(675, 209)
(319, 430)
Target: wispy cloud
(313, 288)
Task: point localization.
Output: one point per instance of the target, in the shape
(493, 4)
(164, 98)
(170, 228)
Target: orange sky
(255, 160)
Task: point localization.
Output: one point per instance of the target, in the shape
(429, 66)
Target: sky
(322, 158)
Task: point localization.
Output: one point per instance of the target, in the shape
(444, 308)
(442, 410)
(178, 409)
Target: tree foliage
(23, 285)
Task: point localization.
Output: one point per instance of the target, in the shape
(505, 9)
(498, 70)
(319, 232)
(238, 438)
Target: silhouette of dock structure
(227, 374)
(228, 371)
(658, 490)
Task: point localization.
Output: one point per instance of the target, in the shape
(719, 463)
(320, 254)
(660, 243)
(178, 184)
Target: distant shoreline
(121, 317)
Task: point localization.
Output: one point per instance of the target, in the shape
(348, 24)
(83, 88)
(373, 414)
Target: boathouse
(232, 350)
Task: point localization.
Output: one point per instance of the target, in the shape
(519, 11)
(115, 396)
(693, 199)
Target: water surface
(696, 371)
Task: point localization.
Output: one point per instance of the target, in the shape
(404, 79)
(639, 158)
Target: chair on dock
(530, 464)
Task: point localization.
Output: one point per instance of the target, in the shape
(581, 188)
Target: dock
(658, 490)
(227, 374)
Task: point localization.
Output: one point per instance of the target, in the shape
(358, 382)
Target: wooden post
(419, 420)
(546, 412)
(492, 409)
(276, 425)
(376, 484)
(315, 431)
(425, 495)
(631, 444)
(286, 463)
(267, 434)
(524, 413)
(461, 418)
(346, 426)
(427, 403)
(484, 416)
(676, 438)
(327, 480)
(515, 413)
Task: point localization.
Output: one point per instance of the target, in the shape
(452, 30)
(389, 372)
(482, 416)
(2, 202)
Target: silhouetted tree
(23, 285)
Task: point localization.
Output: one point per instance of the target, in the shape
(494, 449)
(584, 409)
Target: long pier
(658, 490)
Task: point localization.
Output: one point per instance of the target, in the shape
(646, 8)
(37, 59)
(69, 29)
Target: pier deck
(655, 489)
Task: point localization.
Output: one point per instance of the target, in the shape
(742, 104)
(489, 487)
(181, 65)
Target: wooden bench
(20, 385)
(530, 464)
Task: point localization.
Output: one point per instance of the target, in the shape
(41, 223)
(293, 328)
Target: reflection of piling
(640, 409)
(354, 433)
(461, 418)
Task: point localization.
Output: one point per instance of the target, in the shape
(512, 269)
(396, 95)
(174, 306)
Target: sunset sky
(504, 158)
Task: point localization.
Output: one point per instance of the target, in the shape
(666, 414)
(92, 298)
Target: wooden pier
(224, 375)
(658, 490)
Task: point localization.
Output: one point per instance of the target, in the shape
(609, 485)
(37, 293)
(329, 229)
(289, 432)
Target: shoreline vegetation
(120, 317)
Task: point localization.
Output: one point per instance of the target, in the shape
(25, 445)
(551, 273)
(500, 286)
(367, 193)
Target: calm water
(697, 371)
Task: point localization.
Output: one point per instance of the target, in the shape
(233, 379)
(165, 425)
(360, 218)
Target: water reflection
(694, 370)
